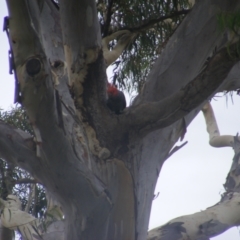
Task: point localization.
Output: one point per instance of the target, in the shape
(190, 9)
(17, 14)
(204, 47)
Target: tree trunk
(6, 234)
(101, 167)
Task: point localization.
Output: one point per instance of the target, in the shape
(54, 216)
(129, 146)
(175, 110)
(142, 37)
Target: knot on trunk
(33, 66)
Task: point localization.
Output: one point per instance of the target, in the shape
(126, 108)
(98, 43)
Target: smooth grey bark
(215, 219)
(99, 166)
(40, 99)
(185, 54)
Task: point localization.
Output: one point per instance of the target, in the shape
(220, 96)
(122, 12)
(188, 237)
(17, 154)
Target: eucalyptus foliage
(146, 18)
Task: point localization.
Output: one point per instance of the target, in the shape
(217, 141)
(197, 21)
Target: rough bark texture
(102, 168)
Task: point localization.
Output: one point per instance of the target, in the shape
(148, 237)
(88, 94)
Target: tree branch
(6, 233)
(233, 80)
(148, 116)
(18, 150)
(25, 181)
(214, 220)
(149, 23)
(202, 225)
(32, 189)
(184, 55)
(128, 35)
(215, 140)
(124, 38)
(108, 18)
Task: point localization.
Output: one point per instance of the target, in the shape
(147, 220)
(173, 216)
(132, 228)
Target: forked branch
(150, 23)
(218, 218)
(123, 37)
(19, 149)
(148, 116)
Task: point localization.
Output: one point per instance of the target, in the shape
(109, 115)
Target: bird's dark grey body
(116, 101)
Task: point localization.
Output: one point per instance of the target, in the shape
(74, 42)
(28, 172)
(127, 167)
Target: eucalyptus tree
(100, 169)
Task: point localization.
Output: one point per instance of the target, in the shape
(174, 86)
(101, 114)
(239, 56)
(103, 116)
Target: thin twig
(148, 24)
(108, 19)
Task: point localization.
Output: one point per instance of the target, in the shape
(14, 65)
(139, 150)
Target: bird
(116, 101)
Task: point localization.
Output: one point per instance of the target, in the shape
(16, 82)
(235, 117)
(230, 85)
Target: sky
(192, 179)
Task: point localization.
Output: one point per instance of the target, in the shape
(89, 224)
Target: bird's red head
(111, 89)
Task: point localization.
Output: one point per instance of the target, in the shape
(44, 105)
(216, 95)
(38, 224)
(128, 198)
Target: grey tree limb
(201, 225)
(149, 116)
(186, 54)
(218, 218)
(79, 143)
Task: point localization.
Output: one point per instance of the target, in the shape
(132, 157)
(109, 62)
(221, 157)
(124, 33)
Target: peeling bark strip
(100, 167)
(82, 41)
